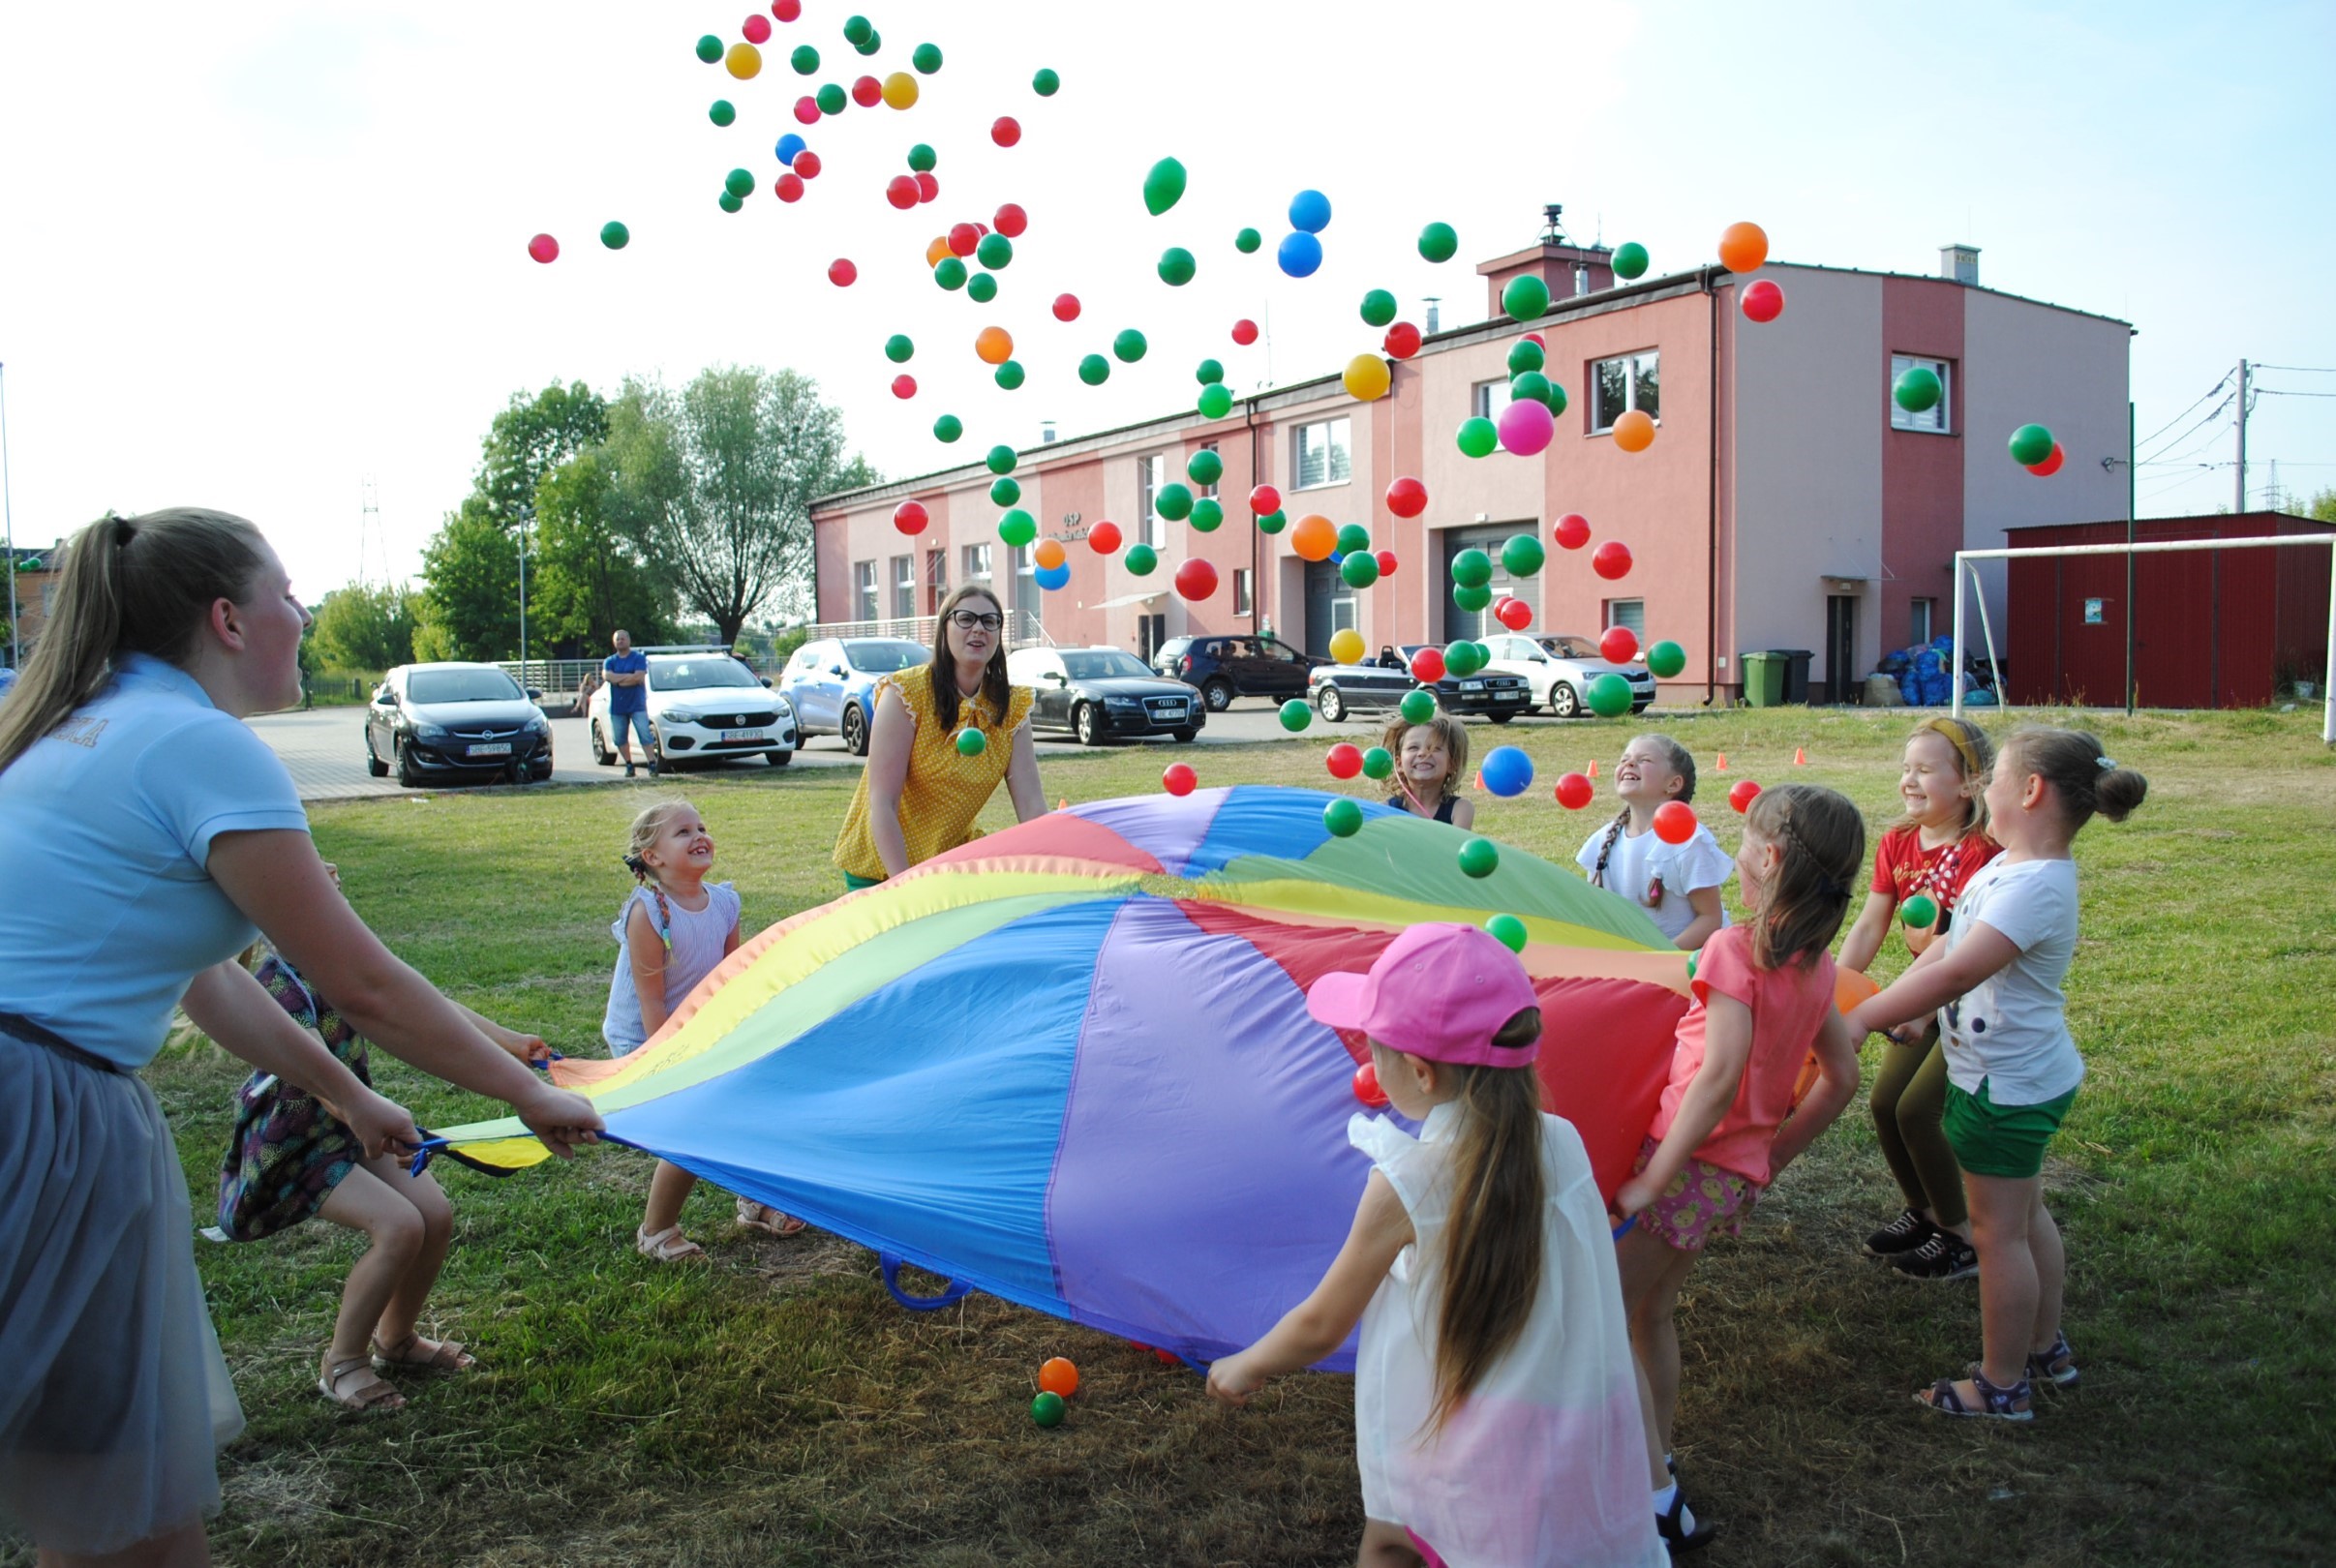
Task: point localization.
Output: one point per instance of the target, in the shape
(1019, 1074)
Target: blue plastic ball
(1299, 254)
(1051, 578)
(788, 146)
(1310, 212)
(1507, 771)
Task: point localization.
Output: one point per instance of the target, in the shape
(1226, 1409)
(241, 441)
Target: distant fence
(1023, 629)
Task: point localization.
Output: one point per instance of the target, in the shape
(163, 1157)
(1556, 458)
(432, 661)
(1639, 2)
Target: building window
(905, 586)
(1933, 419)
(1320, 453)
(1210, 489)
(1343, 613)
(1491, 398)
(1148, 474)
(1244, 592)
(1922, 616)
(976, 563)
(936, 578)
(1630, 613)
(1623, 384)
(863, 577)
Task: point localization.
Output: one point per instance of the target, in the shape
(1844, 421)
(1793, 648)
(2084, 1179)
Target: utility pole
(2241, 498)
(525, 514)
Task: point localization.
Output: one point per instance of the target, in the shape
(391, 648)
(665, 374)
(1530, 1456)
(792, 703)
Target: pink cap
(1440, 991)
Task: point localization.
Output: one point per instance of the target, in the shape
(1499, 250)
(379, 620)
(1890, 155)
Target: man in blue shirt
(627, 676)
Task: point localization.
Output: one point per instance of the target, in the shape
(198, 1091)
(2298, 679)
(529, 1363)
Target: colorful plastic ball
(1472, 599)
(1377, 308)
(867, 92)
(1247, 241)
(1407, 497)
(1507, 930)
(1129, 346)
(744, 61)
(1057, 1376)
(1402, 342)
(1209, 373)
(1343, 817)
(2051, 466)
(722, 112)
(1674, 821)
(1179, 778)
(905, 386)
(1048, 1409)
(1004, 492)
(1346, 648)
(1006, 130)
(995, 252)
(1365, 1081)
(1367, 378)
(1525, 297)
(1573, 532)
(1208, 515)
(1743, 246)
(1353, 537)
(615, 235)
(1195, 580)
(755, 29)
(1313, 537)
(1529, 386)
(1630, 260)
(1009, 220)
(1245, 332)
(1176, 266)
(1472, 569)
(900, 90)
(981, 287)
(964, 238)
(1052, 579)
(709, 49)
(1522, 556)
(1204, 467)
(898, 348)
(1665, 660)
(788, 146)
(925, 57)
(1526, 427)
(1427, 666)
(1143, 560)
(1299, 255)
(993, 345)
(929, 189)
(1920, 912)
(858, 30)
(1742, 793)
(1480, 858)
(1264, 498)
(1174, 502)
(1918, 389)
(1763, 301)
(1009, 375)
(1378, 762)
(2031, 444)
(739, 183)
(1634, 431)
(1477, 437)
(1515, 613)
(1273, 521)
(1525, 354)
(1574, 791)
(1609, 696)
(544, 249)
(804, 60)
(1017, 528)
(1359, 570)
(786, 11)
(1296, 713)
(1463, 658)
(1162, 186)
(971, 742)
(1387, 562)
(1310, 212)
(1046, 83)
(1554, 397)
(806, 110)
(901, 191)
(922, 157)
(950, 273)
(910, 517)
(1610, 560)
(948, 428)
(1094, 370)
(1508, 771)
(1619, 644)
(1065, 307)
(1216, 401)
(1439, 242)
(806, 164)
(1418, 706)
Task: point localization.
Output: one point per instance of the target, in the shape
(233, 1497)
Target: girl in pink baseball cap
(1497, 1418)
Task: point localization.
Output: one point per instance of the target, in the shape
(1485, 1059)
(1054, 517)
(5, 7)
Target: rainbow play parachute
(1071, 1064)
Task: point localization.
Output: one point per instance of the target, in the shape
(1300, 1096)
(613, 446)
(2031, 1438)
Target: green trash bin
(1763, 679)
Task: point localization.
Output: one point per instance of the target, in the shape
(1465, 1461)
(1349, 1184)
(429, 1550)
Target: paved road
(325, 748)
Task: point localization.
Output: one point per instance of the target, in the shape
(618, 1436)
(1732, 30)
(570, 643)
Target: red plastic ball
(1010, 220)
(544, 248)
(842, 273)
(1742, 793)
(1195, 580)
(929, 189)
(1610, 560)
(1103, 537)
(1065, 307)
(788, 187)
(1402, 340)
(1407, 497)
(902, 191)
(786, 11)
(1006, 130)
(806, 164)
(905, 386)
(1537, 338)
(756, 29)
(1619, 645)
(1366, 1086)
(867, 92)
(807, 111)
(962, 238)
(1674, 821)
(1427, 666)
(1763, 301)
(1179, 778)
(1574, 791)
(2051, 466)
(1386, 564)
(1573, 532)
(1343, 760)
(1245, 332)
(910, 517)
(1516, 614)
(1264, 500)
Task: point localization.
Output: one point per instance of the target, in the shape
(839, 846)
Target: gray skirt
(113, 1396)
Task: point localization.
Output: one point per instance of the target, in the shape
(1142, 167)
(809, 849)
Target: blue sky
(258, 255)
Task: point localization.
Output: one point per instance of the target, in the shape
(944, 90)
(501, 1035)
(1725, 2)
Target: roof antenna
(1552, 232)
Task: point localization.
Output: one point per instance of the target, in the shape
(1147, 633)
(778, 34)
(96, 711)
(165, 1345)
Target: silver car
(1559, 670)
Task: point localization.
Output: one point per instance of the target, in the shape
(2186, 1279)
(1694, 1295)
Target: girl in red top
(1764, 1000)
(1934, 853)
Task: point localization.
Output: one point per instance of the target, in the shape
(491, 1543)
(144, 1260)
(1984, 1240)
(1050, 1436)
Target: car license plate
(742, 735)
(498, 748)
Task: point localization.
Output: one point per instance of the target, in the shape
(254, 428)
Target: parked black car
(1096, 693)
(467, 721)
(1228, 667)
(1342, 691)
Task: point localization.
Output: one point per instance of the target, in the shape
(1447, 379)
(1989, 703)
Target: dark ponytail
(2083, 777)
(1820, 839)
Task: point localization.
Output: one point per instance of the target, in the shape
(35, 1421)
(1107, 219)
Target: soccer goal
(1966, 559)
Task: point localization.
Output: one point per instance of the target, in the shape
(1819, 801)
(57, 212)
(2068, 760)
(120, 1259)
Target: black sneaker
(1680, 1531)
(1944, 1257)
(1905, 1233)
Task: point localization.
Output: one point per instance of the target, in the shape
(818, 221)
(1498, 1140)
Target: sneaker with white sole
(1902, 1235)
(1944, 1257)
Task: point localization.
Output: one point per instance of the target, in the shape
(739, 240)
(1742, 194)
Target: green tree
(588, 572)
(2322, 507)
(366, 628)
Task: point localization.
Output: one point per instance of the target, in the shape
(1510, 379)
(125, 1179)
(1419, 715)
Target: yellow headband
(1953, 730)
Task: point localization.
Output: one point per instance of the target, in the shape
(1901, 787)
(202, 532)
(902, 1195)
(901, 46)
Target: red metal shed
(2212, 628)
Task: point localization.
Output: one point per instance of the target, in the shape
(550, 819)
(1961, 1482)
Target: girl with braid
(1676, 884)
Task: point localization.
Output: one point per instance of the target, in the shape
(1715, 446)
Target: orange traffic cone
(1479, 779)
(1593, 769)
(1800, 757)
(1723, 764)
(1063, 804)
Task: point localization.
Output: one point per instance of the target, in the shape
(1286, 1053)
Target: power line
(2307, 370)
(2275, 392)
(2213, 414)
(2185, 413)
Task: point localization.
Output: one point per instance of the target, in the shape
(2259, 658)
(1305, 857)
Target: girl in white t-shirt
(1676, 884)
(2011, 1066)
(672, 932)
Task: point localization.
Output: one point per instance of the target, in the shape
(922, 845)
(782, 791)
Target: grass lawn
(778, 1407)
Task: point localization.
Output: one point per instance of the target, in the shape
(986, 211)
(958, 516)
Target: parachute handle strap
(957, 1289)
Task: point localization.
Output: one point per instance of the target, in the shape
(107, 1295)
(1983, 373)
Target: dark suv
(1228, 667)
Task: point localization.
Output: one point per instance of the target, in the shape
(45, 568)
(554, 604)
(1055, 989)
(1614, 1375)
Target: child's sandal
(353, 1385)
(667, 1245)
(2057, 1366)
(445, 1355)
(753, 1215)
(1996, 1402)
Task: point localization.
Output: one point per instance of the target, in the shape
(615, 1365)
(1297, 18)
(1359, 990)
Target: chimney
(1434, 318)
(1959, 262)
(1565, 267)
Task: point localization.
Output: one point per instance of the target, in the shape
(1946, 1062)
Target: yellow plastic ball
(1366, 377)
(900, 89)
(744, 61)
(1347, 646)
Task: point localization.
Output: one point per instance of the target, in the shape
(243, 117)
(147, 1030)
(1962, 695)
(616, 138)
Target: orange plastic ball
(994, 345)
(1048, 554)
(1058, 1376)
(1313, 537)
(1634, 431)
(1743, 246)
(938, 249)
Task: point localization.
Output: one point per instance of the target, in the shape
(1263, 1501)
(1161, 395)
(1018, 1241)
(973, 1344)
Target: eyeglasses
(968, 621)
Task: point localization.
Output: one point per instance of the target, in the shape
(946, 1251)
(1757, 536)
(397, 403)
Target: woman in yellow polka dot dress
(925, 780)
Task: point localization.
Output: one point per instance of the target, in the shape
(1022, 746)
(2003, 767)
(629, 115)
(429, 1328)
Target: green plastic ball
(1438, 242)
(1477, 438)
(1000, 459)
(1460, 658)
(1162, 186)
(1095, 370)
(1343, 817)
(2031, 444)
(1174, 502)
(1665, 660)
(1209, 373)
(1630, 261)
(948, 428)
(1526, 298)
(1273, 521)
(615, 235)
(1530, 386)
(1247, 241)
(1555, 398)
(1610, 696)
(1379, 307)
(1216, 401)
(1141, 559)
(1920, 912)
(1524, 355)
(1918, 389)
(1296, 714)
(927, 58)
(1176, 266)
(921, 156)
(1208, 515)
(876, 41)
(1004, 492)
(805, 59)
(981, 287)
(899, 349)
(1046, 83)
(950, 273)
(831, 98)
(723, 112)
(1508, 930)
(1418, 706)
(739, 183)
(1472, 569)
(1129, 346)
(1522, 556)
(1204, 467)
(1352, 537)
(709, 49)
(1008, 376)
(1017, 528)
(729, 202)
(858, 30)
(1359, 570)
(972, 743)
(995, 252)
(1378, 763)
(1480, 858)
(1472, 599)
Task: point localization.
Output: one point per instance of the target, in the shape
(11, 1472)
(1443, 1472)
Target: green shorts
(853, 883)
(2001, 1140)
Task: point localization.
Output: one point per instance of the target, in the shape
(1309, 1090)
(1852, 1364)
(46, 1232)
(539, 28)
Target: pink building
(1786, 500)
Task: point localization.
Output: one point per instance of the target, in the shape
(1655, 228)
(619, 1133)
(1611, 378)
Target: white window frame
(1345, 613)
(1630, 613)
(1936, 420)
(976, 563)
(1638, 363)
(1488, 398)
(1244, 592)
(1338, 460)
(1151, 471)
(1211, 446)
(905, 587)
(863, 580)
(1922, 620)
